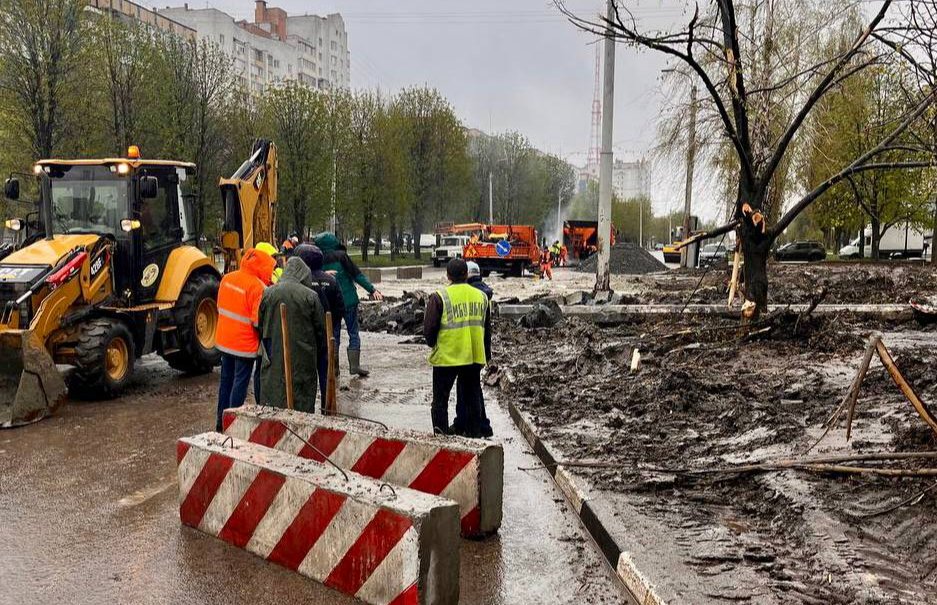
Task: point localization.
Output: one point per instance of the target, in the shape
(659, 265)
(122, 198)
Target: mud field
(843, 283)
(704, 397)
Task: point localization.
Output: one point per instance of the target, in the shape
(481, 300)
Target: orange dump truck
(581, 238)
(506, 249)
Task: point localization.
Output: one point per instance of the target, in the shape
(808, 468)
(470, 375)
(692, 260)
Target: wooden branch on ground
(852, 396)
(922, 409)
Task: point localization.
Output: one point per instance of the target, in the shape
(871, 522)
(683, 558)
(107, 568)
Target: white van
(447, 248)
(898, 241)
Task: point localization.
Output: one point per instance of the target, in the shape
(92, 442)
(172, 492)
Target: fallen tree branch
(853, 395)
(922, 409)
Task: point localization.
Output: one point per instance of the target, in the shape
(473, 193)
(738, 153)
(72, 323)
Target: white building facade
(631, 179)
(275, 47)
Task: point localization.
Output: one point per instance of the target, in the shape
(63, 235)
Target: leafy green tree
(297, 121)
(435, 142)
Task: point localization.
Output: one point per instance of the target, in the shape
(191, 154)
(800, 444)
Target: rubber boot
(354, 364)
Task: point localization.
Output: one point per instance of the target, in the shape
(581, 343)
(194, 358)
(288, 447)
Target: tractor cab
(141, 207)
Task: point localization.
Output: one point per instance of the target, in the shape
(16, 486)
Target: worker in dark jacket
(457, 325)
(348, 276)
(330, 295)
(306, 326)
(475, 279)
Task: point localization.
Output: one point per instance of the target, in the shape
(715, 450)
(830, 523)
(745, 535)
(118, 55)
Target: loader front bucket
(31, 387)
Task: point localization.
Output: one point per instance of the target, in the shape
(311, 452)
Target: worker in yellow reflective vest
(272, 251)
(457, 325)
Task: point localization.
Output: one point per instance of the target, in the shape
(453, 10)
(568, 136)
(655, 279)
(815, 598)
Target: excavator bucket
(31, 387)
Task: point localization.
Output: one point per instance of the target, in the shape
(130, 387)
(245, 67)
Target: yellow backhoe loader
(109, 270)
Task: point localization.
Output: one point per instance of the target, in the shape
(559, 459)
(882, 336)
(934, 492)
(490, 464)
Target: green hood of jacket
(327, 242)
(347, 273)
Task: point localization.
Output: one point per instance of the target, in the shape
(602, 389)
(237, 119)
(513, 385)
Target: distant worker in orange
(564, 255)
(237, 336)
(546, 263)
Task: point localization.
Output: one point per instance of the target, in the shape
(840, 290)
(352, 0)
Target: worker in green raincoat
(306, 322)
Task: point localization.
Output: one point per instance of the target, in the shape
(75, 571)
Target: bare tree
(720, 52)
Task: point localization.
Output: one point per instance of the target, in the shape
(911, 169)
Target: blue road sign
(503, 248)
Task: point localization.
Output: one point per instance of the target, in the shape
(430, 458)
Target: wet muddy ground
(707, 396)
(89, 510)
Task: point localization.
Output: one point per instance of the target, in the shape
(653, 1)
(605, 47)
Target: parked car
(713, 254)
(801, 251)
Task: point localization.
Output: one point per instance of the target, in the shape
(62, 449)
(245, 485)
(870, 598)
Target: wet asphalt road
(89, 511)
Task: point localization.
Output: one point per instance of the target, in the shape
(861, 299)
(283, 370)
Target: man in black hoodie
(330, 295)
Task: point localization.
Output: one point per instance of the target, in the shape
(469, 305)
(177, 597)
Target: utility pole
(640, 223)
(559, 214)
(491, 204)
(685, 257)
(605, 167)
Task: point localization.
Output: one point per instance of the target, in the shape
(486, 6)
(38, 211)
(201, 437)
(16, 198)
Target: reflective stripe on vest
(461, 339)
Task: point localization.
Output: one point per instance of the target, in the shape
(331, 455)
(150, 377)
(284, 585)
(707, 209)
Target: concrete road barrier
(409, 272)
(373, 275)
(469, 471)
(354, 534)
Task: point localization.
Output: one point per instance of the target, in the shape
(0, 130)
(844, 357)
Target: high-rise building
(631, 179)
(275, 46)
(129, 12)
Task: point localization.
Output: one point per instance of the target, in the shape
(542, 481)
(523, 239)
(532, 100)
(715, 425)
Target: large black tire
(517, 270)
(104, 356)
(193, 356)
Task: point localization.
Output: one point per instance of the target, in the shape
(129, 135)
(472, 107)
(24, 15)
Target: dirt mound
(708, 395)
(893, 282)
(625, 259)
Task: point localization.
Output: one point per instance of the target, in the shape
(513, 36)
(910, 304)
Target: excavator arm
(249, 200)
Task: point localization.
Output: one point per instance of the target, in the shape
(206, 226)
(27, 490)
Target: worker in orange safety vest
(237, 336)
(546, 263)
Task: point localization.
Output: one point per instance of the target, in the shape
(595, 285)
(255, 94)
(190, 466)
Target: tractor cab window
(159, 219)
(87, 199)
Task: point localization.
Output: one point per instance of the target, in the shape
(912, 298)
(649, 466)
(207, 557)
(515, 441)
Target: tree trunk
(876, 236)
(377, 242)
(756, 248)
(933, 257)
(365, 238)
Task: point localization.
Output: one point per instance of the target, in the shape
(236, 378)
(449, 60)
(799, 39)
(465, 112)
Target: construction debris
(666, 448)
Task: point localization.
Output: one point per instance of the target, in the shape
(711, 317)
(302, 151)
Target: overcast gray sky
(504, 65)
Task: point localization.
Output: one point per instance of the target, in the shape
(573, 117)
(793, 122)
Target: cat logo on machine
(150, 273)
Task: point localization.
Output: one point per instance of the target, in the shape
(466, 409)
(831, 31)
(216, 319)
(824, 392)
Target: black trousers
(470, 419)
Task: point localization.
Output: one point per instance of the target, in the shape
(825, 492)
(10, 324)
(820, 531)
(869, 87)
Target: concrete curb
(349, 532)
(469, 471)
(624, 312)
(579, 498)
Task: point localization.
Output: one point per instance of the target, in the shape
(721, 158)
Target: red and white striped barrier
(469, 471)
(397, 547)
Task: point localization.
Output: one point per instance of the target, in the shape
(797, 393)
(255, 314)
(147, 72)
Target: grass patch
(384, 260)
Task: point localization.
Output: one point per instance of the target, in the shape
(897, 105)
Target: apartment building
(275, 46)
